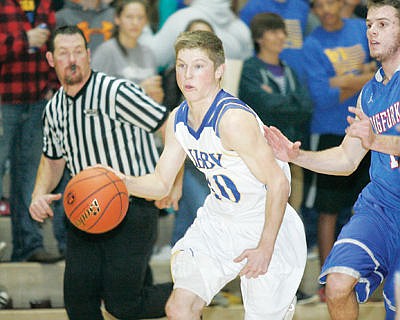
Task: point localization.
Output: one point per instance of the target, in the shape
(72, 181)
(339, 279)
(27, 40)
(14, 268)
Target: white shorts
(202, 262)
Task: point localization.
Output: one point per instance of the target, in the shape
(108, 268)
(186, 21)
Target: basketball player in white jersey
(245, 226)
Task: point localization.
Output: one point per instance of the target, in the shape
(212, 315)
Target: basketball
(96, 200)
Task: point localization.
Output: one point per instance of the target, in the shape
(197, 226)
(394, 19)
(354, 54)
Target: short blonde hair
(204, 40)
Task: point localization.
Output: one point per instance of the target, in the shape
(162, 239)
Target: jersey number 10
(223, 187)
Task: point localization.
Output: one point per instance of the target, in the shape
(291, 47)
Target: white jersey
(235, 191)
(231, 221)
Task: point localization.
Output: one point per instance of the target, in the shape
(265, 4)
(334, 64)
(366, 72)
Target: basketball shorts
(367, 249)
(202, 262)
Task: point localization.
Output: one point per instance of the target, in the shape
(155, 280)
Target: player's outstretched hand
(360, 127)
(284, 149)
(40, 208)
(257, 263)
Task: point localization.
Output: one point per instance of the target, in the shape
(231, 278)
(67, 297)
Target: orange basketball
(96, 200)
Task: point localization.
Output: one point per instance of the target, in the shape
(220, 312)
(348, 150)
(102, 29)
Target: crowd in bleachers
(297, 63)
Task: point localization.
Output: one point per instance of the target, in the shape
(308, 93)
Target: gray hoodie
(97, 25)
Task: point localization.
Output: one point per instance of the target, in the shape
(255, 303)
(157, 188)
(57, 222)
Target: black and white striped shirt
(110, 121)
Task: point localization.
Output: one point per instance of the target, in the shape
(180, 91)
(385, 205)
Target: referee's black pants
(114, 267)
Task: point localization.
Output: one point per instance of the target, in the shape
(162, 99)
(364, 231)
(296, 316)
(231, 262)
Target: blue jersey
(381, 103)
(330, 54)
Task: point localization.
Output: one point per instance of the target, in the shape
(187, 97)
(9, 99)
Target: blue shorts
(367, 249)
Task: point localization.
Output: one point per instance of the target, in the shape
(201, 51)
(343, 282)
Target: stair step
(26, 281)
(32, 281)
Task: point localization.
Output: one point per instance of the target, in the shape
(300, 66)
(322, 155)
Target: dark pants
(114, 267)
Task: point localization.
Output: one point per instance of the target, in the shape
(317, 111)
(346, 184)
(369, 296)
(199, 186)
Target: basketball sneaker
(5, 300)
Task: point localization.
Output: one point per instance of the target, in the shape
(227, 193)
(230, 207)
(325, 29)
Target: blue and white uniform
(232, 220)
(368, 246)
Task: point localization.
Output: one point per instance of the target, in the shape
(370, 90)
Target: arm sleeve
(135, 107)
(51, 142)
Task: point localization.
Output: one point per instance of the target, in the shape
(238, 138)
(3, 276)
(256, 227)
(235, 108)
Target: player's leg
(184, 305)
(201, 265)
(272, 295)
(341, 298)
(359, 260)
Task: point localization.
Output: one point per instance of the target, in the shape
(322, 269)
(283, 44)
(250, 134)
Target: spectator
(122, 56)
(338, 65)
(112, 266)
(94, 17)
(26, 83)
(234, 34)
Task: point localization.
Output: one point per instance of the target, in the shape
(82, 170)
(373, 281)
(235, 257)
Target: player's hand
(116, 172)
(360, 127)
(283, 148)
(257, 262)
(40, 208)
(170, 201)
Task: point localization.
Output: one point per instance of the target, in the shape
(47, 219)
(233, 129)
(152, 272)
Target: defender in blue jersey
(368, 247)
(246, 227)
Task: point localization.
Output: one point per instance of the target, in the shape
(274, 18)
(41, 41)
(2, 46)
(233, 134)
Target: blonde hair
(203, 40)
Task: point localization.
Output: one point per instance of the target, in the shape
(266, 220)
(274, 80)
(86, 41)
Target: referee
(97, 119)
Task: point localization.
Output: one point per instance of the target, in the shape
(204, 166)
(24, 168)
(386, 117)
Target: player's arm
(48, 176)
(250, 144)
(342, 160)
(158, 184)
